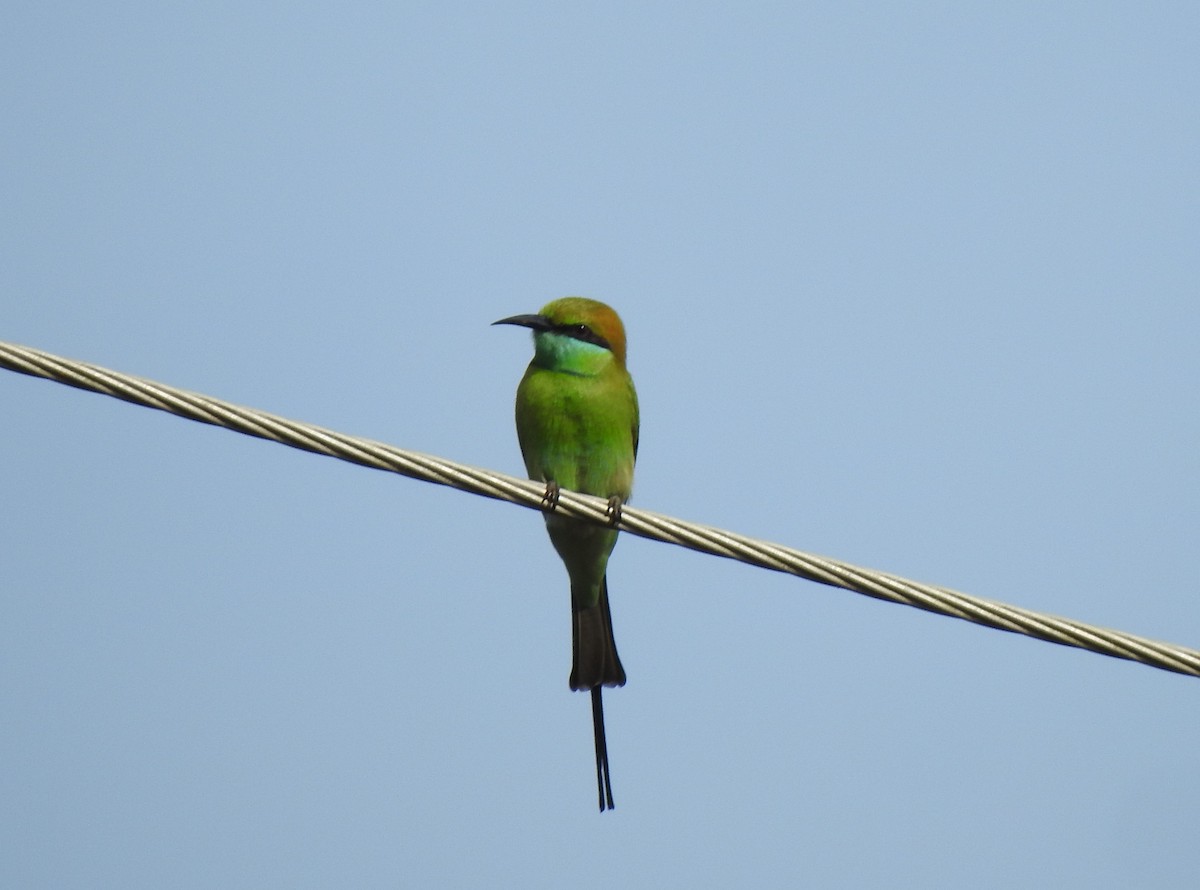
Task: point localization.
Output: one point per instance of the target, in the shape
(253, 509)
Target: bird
(577, 425)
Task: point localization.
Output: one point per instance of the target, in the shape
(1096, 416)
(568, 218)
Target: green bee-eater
(577, 422)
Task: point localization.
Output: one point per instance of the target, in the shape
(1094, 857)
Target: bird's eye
(580, 331)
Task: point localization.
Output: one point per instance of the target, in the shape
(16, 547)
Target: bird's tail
(594, 659)
(603, 779)
(595, 664)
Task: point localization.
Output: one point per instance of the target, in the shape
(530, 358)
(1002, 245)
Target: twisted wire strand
(381, 456)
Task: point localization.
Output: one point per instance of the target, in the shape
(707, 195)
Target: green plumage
(580, 430)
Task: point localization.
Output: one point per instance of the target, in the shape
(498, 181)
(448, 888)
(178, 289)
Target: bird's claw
(613, 511)
(550, 498)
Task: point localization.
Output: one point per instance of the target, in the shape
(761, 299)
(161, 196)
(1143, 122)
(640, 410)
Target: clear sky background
(912, 287)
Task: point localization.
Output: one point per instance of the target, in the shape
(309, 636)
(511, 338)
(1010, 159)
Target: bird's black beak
(537, 322)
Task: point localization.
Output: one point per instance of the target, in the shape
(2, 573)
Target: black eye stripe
(581, 332)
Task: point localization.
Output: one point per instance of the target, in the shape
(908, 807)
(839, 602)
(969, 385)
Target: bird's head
(574, 332)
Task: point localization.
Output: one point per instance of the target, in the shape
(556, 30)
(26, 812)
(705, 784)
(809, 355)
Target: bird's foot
(550, 498)
(613, 512)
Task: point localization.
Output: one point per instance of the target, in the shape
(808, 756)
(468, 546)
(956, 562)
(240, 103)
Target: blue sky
(912, 287)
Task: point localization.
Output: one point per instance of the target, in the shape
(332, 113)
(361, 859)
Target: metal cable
(705, 539)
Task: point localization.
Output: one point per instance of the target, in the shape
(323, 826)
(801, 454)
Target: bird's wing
(636, 417)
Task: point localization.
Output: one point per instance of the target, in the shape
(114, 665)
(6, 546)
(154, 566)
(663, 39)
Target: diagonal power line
(380, 456)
